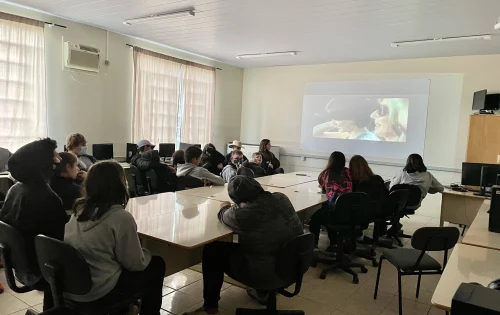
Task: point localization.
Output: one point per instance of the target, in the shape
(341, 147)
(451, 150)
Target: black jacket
(67, 190)
(228, 159)
(31, 206)
(258, 171)
(210, 159)
(146, 161)
(269, 157)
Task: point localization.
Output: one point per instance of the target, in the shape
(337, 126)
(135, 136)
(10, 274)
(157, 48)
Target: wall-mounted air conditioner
(81, 57)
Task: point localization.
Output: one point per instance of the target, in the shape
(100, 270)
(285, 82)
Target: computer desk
(459, 207)
(478, 235)
(177, 225)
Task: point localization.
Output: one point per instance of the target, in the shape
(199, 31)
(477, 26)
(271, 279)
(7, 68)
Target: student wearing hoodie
(106, 235)
(64, 180)
(211, 159)
(32, 207)
(254, 165)
(233, 166)
(264, 221)
(415, 173)
(193, 157)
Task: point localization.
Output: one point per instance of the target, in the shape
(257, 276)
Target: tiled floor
(336, 295)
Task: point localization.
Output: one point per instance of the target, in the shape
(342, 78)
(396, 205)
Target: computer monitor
(184, 146)
(480, 174)
(131, 151)
(479, 99)
(166, 149)
(103, 151)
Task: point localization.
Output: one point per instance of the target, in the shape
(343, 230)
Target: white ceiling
(323, 31)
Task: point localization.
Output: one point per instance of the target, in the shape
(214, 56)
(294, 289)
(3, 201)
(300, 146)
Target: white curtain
(156, 97)
(198, 93)
(173, 99)
(23, 108)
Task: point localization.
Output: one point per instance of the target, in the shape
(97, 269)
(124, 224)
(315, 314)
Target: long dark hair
(415, 163)
(360, 170)
(263, 145)
(104, 187)
(335, 166)
(67, 159)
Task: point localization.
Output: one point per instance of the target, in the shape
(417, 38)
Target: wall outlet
(302, 158)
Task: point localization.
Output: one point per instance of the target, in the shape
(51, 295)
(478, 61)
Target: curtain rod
(176, 58)
(54, 24)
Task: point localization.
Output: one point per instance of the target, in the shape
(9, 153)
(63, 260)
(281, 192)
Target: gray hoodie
(264, 221)
(424, 180)
(109, 245)
(229, 171)
(198, 172)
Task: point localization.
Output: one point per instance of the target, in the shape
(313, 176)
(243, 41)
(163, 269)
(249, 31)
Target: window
(173, 99)
(23, 108)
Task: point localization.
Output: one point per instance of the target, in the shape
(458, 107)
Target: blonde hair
(74, 140)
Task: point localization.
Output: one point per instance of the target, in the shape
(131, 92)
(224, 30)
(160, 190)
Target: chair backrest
(103, 151)
(395, 203)
(63, 265)
(187, 182)
(131, 151)
(13, 249)
(414, 196)
(294, 258)
(352, 209)
(435, 238)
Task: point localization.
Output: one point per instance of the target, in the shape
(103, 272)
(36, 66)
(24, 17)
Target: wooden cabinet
(484, 139)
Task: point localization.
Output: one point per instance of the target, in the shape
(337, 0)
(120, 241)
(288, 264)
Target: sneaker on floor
(201, 311)
(260, 297)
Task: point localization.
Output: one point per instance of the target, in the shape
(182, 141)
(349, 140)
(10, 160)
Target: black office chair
(188, 182)
(389, 215)
(14, 256)
(412, 204)
(65, 269)
(350, 216)
(130, 151)
(414, 261)
(292, 262)
(60, 310)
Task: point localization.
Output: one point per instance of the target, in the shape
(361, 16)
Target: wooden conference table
(477, 259)
(177, 225)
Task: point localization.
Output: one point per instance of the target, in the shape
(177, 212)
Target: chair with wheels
(347, 219)
(60, 310)
(14, 257)
(65, 269)
(412, 204)
(389, 215)
(415, 261)
(292, 262)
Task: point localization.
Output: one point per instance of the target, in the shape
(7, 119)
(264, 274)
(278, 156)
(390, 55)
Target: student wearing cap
(236, 146)
(148, 159)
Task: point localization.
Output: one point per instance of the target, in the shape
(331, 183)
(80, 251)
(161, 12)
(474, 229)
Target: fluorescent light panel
(272, 54)
(160, 16)
(443, 39)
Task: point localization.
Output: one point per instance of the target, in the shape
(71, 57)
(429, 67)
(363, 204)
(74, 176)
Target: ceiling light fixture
(160, 16)
(272, 54)
(441, 39)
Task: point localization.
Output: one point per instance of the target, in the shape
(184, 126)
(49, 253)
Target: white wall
(272, 104)
(101, 107)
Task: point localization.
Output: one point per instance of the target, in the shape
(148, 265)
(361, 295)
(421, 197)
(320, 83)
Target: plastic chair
(65, 269)
(412, 203)
(415, 261)
(292, 262)
(14, 256)
(350, 216)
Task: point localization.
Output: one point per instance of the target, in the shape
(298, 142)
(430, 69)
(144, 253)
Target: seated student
(364, 180)
(334, 180)
(415, 173)
(192, 157)
(243, 171)
(63, 182)
(4, 158)
(254, 165)
(106, 236)
(148, 159)
(211, 159)
(178, 158)
(268, 158)
(32, 207)
(264, 221)
(234, 165)
(236, 146)
(77, 144)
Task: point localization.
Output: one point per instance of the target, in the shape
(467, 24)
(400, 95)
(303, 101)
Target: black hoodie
(31, 206)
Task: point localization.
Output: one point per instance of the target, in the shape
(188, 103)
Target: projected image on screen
(356, 117)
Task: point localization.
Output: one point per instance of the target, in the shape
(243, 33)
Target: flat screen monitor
(166, 149)
(479, 100)
(131, 151)
(471, 174)
(184, 146)
(103, 151)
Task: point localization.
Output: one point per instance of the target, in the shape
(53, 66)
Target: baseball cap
(143, 143)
